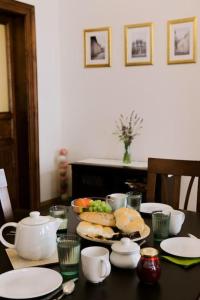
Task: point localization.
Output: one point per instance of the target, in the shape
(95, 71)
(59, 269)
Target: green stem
(127, 155)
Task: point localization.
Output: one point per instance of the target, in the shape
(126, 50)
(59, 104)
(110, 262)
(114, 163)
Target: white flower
(128, 128)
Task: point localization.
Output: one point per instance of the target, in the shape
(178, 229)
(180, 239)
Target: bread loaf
(129, 220)
(102, 218)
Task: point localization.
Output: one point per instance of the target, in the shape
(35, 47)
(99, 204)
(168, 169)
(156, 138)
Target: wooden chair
(164, 180)
(5, 199)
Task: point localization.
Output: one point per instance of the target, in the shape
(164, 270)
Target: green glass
(127, 155)
(68, 246)
(160, 225)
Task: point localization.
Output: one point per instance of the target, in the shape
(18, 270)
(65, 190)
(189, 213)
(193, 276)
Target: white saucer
(150, 207)
(182, 246)
(29, 283)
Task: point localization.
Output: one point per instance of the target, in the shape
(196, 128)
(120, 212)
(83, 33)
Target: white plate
(29, 283)
(182, 246)
(150, 207)
(144, 234)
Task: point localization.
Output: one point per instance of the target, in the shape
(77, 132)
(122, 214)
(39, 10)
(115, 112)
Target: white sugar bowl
(125, 254)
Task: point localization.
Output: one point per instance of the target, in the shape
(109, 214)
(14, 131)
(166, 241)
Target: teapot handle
(4, 242)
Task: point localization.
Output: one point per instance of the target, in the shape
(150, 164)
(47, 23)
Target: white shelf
(142, 165)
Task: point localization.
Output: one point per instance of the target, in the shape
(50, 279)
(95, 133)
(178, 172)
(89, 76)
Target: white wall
(78, 106)
(166, 96)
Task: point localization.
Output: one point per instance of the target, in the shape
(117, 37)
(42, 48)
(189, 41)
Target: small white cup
(95, 263)
(176, 221)
(116, 200)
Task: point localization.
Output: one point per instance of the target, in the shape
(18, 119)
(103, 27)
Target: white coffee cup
(95, 263)
(176, 221)
(116, 200)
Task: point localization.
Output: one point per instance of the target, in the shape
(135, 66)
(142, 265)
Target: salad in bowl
(90, 205)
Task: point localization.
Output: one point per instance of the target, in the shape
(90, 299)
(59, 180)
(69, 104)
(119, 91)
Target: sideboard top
(142, 165)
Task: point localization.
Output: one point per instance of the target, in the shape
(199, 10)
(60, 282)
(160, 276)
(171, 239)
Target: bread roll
(89, 229)
(108, 232)
(127, 212)
(129, 220)
(105, 219)
(93, 230)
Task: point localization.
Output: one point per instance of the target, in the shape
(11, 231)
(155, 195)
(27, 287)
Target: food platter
(145, 233)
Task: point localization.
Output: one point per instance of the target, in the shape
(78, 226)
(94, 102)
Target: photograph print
(181, 41)
(138, 41)
(97, 47)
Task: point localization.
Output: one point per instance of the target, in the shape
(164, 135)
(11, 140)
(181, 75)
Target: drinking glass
(68, 246)
(134, 200)
(160, 225)
(60, 211)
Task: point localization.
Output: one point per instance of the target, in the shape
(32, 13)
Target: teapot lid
(35, 219)
(125, 246)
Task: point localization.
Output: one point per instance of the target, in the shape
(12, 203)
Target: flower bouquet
(127, 128)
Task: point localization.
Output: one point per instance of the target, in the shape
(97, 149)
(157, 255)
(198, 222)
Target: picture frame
(138, 44)
(182, 40)
(97, 47)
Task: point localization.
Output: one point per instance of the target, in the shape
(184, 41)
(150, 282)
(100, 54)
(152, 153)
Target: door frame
(28, 13)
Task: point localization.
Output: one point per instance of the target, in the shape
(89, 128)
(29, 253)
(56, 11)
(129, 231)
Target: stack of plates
(150, 207)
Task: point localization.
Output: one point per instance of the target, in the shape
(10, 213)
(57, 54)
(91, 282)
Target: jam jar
(148, 268)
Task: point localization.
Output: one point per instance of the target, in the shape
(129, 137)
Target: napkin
(19, 262)
(184, 262)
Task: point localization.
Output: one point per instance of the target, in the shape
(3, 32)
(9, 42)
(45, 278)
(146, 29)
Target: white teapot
(125, 254)
(35, 237)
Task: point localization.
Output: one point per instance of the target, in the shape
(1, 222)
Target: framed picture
(97, 47)
(181, 41)
(138, 41)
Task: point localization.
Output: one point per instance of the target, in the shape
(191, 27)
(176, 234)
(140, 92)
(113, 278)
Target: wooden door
(8, 137)
(18, 104)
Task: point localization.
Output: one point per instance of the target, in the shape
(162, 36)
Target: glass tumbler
(134, 200)
(68, 246)
(62, 212)
(160, 225)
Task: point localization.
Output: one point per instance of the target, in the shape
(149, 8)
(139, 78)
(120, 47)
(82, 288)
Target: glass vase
(127, 155)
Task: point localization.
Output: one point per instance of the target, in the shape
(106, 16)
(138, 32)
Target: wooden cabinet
(99, 177)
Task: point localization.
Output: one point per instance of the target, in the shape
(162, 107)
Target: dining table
(175, 283)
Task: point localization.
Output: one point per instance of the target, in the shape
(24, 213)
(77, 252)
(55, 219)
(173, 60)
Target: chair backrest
(4, 198)
(164, 180)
